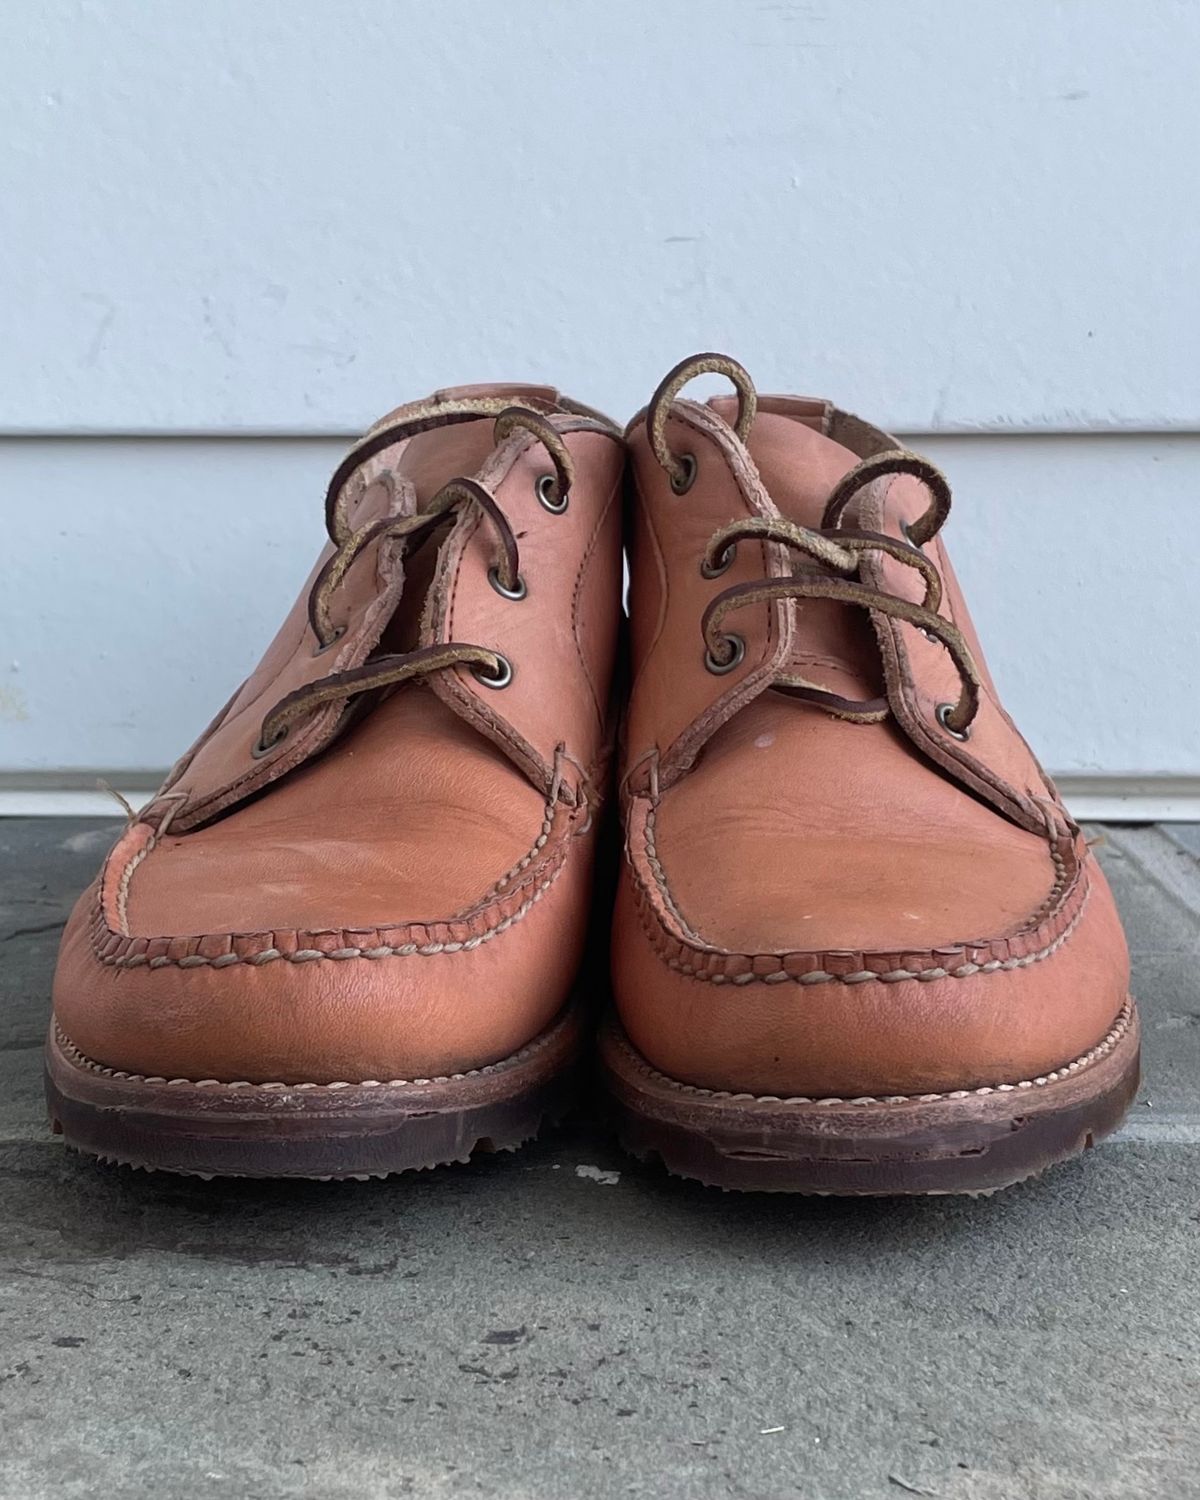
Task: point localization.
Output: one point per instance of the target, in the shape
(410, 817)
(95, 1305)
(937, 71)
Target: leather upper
(826, 892)
(400, 885)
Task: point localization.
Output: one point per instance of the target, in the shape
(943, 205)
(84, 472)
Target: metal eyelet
(942, 712)
(548, 496)
(722, 564)
(681, 483)
(260, 749)
(501, 678)
(737, 650)
(518, 593)
(320, 650)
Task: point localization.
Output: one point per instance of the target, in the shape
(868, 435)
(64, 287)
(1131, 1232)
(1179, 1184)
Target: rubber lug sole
(214, 1129)
(970, 1141)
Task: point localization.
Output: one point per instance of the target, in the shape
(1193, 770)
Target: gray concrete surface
(532, 1326)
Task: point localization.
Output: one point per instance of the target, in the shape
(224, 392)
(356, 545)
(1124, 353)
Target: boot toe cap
(335, 1002)
(862, 1019)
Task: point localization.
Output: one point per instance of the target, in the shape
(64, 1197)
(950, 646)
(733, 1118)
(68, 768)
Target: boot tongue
(835, 647)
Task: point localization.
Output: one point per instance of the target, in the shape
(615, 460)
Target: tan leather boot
(344, 936)
(860, 945)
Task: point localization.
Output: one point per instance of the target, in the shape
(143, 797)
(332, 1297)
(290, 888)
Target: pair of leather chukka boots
(859, 946)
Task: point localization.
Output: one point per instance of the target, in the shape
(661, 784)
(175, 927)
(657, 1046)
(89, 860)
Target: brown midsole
(960, 1140)
(307, 1128)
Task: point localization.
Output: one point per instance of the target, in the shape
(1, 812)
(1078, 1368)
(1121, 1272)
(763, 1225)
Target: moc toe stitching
(685, 950)
(164, 1005)
(503, 908)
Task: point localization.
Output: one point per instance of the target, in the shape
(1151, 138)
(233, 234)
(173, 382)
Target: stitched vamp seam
(464, 932)
(685, 952)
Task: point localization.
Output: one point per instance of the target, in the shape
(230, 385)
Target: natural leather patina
(376, 862)
(846, 874)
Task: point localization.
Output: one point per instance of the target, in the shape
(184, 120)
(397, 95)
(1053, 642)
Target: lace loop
(336, 523)
(466, 491)
(894, 461)
(820, 548)
(876, 541)
(384, 671)
(426, 419)
(489, 667)
(956, 718)
(330, 577)
(669, 388)
(842, 554)
(412, 529)
(839, 551)
(514, 417)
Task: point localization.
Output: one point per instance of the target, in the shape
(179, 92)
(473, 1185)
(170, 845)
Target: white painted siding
(282, 218)
(157, 571)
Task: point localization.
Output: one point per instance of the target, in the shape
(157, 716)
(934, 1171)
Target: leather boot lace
(832, 553)
(488, 666)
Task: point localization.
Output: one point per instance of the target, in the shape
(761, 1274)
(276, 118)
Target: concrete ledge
(563, 1321)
